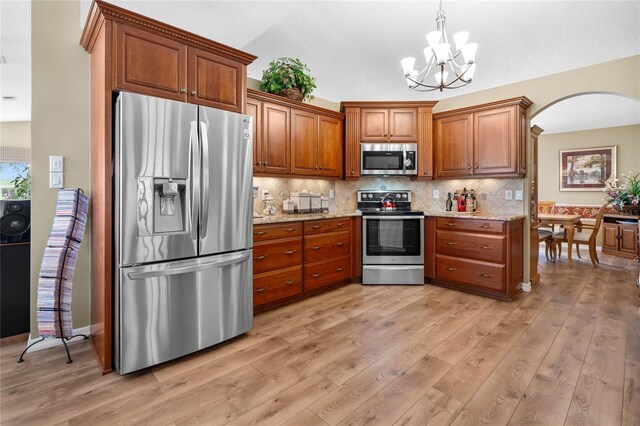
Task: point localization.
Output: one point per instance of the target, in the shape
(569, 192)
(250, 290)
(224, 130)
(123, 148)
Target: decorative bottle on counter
(449, 203)
(469, 202)
(474, 201)
(462, 201)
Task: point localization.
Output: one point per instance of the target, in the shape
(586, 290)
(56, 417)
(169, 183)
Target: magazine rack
(57, 269)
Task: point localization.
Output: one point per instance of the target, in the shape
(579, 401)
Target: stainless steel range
(392, 238)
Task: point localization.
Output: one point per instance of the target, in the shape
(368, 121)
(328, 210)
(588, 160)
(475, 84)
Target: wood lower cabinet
(487, 140)
(475, 255)
(158, 65)
(620, 239)
(294, 259)
(293, 138)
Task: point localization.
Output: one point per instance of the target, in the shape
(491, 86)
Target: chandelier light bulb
(413, 74)
(442, 51)
(407, 64)
(428, 54)
(441, 78)
(469, 52)
(461, 38)
(433, 38)
(468, 72)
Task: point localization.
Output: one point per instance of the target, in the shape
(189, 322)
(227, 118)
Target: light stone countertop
(479, 216)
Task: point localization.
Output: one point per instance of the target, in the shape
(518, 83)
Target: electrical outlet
(508, 194)
(265, 194)
(519, 194)
(332, 194)
(436, 194)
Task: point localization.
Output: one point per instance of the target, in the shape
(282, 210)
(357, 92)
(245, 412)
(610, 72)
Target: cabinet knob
(258, 163)
(390, 136)
(183, 90)
(352, 172)
(468, 167)
(426, 172)
(193, 93)
(265, 164)
(476, 166)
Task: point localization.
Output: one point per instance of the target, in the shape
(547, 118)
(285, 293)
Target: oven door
(393, 240)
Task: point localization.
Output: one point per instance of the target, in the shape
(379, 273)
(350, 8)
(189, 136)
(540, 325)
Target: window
(15, 181)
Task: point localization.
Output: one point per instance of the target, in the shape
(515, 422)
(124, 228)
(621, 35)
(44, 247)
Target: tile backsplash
(490, 192)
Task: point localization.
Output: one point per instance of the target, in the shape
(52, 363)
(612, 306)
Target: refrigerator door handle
(205, 180)
(195, 178)
(226, 259)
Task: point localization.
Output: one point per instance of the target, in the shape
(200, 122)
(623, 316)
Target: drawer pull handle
(339, 244)
(450, 224)
(290, 282)
(340, 224)
(316, 275)
(317, 226)
(486, 226)
(260, 290)
(316, 247)
(450, 243)
(451, 269)
(486, 275)
(485, 247)
(260, 233)
(340, 269)
(290, 252)
(289, 229)
(264, 256)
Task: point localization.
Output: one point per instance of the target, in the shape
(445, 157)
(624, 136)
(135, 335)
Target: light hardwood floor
(567, 353)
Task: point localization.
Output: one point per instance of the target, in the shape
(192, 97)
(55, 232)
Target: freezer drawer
(167, 310)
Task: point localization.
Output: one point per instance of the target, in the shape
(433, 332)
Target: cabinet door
(494, 139)
(454, 146)
(215, 81)
(255, 111)
(610, 236)
(330, 147)
(352, 143)
(374, 125)
(629, 239)
(275, 139)
(403, 125)
(150, 64)
(304, 143)
(425, 144)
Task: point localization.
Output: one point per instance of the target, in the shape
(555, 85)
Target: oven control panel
(376, 196)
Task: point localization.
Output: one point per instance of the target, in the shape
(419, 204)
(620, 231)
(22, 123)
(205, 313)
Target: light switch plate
(519, 194)
(508, 194)
(55, 180)
(56, 163)
(332, 194)
(436, 194)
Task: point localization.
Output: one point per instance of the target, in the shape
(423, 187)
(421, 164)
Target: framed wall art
(586, 169)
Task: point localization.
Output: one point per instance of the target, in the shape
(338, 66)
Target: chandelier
(440, 59)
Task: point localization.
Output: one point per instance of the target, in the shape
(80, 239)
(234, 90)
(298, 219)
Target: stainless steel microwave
(388, 159)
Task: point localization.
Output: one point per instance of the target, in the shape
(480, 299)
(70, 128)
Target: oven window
(393, 237)
(382, 160)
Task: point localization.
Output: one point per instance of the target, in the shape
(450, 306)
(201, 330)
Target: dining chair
(585, 234)
(547, 207)
(546, 236)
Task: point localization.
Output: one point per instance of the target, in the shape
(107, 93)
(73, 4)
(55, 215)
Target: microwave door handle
(205, 180)
(225, 260)
(194, 171)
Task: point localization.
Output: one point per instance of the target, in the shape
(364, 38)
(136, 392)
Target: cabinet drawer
(277, 285)
(327, 225)
(281, 230)
(476, 225)
(488, 248)
(271, 255)
(326, 246)
(470, 272)
(327, 272)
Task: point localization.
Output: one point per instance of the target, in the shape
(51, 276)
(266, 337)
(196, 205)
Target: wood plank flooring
(566, 353)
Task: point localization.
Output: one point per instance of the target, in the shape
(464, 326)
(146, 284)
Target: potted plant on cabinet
(288, 77)
(624, 194)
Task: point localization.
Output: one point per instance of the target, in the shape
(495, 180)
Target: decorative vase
(292, 93)
(627, 209)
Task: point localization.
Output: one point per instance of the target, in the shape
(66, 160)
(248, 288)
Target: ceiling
(15, 73)
(354, 48)
(593, 111)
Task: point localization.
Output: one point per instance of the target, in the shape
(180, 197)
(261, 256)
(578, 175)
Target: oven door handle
(393, 217)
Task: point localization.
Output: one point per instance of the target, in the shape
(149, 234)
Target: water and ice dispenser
(169, 196)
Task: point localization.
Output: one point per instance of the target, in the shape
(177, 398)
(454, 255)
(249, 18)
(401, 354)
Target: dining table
(568, 221)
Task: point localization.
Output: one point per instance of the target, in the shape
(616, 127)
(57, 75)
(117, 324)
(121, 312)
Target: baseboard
(50, 342)
(526, 287)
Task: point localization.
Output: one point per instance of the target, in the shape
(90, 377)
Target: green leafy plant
(288, 73)
(623, 192)
(22, 183)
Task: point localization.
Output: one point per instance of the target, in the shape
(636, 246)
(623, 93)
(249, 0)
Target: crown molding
(387, 104)
(101, 10)
(280, 100)
(521, 101)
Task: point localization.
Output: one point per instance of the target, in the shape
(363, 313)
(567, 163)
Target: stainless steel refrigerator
(183, 219)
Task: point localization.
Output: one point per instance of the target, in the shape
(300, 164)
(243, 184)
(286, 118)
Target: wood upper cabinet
(254, 109)
(494, 150)
(154, 65)
(304, 143)
(276, 142)
(483, 140)
(150, 64)
(425, 143)
(215, 81)
(454, 146)
(330, 141)
(352, 143)
(389, 125)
